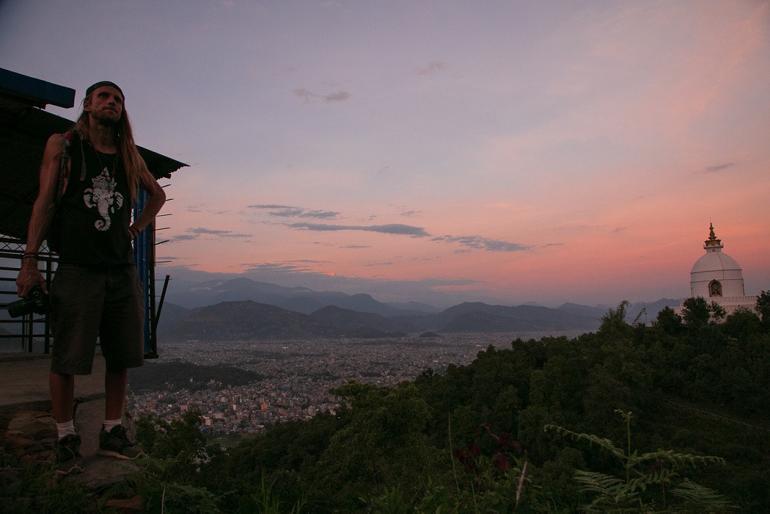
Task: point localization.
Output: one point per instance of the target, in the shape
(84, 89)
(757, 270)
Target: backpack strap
(82, 160)
(65, 166)
(62, 181)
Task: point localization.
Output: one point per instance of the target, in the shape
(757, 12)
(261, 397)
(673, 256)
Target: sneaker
(68, 459)
(115, 443)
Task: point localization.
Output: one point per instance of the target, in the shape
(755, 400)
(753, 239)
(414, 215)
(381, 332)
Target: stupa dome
(716, 274)
(715, 262)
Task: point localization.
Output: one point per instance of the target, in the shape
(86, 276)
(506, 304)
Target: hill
(247, 320)
(251, 320)
(353, 323)
(411, 316)
(254, 320)
(299, 299)
(480, 317)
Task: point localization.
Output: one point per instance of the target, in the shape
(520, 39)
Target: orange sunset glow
(508, 152)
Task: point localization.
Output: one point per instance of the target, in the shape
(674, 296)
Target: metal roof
(35, 91)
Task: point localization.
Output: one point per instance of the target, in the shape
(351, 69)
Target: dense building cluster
(298, 375)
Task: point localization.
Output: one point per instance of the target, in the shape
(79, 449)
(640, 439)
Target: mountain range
(191, 294)
(245, 309)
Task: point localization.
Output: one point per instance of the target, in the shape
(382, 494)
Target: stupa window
(715, 288)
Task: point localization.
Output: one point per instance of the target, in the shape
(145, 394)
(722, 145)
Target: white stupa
(717, 277)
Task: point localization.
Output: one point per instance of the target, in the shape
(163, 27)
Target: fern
(592, 439)
(600, 483)
(611, 493)
(677, 459)
(702, 496)
(661, 477)
(630, 492)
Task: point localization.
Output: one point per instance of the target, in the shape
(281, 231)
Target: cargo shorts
(87, 303)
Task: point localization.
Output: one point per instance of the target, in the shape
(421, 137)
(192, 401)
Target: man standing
(89, 179)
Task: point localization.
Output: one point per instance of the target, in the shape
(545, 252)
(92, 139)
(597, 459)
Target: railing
(31, 327)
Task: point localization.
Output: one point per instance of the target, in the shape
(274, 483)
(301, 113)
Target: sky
(436, 151)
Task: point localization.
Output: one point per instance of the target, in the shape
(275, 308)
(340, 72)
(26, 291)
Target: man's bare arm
(157, 197)
(42, 215)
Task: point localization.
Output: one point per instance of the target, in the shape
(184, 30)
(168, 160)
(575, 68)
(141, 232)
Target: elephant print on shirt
(103, 196)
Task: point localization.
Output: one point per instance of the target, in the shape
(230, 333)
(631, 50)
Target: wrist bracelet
(30, 255)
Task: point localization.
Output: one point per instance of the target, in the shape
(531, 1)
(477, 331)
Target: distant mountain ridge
(480, 317)
(297, 299)
(352, 322)
(636, 312)
(251, 320)
(242, 308)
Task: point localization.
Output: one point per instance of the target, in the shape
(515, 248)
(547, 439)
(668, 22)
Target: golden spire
(712, 243)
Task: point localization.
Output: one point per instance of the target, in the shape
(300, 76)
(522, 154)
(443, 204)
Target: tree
(763, 308)
(695, 312)
(717, 311)
(615, 319)
(387, 429)
(742, 324)
(669, 321)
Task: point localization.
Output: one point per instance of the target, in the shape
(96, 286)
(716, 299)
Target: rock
(31, 439)
(36, 458)
(102, 472)
(31, 436)
(14, 440)
(33, 424)
(134, 504)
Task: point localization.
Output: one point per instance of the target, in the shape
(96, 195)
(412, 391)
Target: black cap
(104, 83)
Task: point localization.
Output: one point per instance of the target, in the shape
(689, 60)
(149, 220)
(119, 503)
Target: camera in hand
(36, 301)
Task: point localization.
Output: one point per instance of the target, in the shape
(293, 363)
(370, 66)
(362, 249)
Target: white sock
(65, 429)
(109, 424)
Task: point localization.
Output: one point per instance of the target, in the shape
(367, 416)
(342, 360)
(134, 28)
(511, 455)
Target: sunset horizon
(437, 152)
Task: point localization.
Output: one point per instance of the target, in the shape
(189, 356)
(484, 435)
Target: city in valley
(242, 386)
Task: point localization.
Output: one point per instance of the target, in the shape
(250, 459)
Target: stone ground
(28, 432)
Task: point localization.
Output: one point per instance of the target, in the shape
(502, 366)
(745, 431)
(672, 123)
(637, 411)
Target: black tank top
(94, 214)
